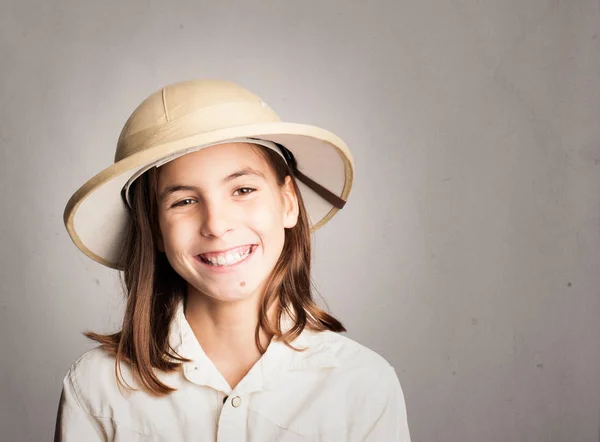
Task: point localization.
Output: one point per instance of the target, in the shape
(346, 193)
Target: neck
(226, 331)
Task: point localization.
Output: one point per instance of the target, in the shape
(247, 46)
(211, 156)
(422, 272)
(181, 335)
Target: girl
(208, 211)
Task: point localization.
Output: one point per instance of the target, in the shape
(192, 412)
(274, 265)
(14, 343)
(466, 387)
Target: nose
(216, 219)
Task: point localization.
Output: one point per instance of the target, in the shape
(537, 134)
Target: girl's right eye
(181, 203)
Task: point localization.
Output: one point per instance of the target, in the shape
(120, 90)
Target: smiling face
(222, 217)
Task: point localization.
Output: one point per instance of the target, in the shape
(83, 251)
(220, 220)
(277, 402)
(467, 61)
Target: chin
(227, 294)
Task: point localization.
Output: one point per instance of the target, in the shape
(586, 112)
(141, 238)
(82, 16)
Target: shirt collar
(277, 359)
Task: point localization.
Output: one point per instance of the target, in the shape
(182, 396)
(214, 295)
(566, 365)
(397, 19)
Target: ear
(290, 203)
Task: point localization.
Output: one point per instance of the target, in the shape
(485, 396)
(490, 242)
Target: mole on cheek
(242, 284)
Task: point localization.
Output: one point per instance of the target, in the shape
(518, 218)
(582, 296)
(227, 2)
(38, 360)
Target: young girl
(208, 211)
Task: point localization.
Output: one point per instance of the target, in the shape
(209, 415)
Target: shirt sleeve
(73, 423)
(391, 424)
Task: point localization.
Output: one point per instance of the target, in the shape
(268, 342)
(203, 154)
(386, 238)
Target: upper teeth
(228, 258)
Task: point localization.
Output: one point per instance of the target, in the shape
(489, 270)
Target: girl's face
(222, 217)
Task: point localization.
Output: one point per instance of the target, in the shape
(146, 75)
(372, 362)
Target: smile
(230, 258)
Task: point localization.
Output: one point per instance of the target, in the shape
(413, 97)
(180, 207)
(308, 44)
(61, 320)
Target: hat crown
(189, 108)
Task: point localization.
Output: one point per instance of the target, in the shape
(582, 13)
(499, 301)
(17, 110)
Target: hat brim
(96, 217)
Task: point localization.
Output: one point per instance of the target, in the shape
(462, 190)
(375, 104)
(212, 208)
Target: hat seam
(164, 101)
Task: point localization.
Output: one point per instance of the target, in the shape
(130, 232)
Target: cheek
(176, 234)
(267, 222)
(261, 220)
(265, 215)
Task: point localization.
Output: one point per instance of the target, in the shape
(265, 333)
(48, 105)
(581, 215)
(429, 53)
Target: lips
(234, 250)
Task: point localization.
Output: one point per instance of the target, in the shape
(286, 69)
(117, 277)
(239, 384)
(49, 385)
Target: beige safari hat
(187, 116)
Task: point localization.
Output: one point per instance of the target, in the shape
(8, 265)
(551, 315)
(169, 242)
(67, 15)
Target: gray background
(468, 252)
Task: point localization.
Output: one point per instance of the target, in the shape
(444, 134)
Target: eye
(183, 202)
(244, 190)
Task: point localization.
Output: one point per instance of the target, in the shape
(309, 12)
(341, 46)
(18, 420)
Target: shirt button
(236, 401)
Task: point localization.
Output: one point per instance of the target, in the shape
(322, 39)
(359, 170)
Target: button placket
(232, 419)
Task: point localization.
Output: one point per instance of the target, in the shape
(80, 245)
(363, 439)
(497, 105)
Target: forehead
(214, 162)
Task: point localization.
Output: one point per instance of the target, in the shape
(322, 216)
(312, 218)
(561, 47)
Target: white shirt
(335, 391)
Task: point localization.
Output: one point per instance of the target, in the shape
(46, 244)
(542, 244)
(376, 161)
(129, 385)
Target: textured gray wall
(468, 252)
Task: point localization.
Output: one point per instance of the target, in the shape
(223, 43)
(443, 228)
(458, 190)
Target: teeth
(228, 259)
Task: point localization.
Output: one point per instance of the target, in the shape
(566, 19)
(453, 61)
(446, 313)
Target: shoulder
(365, 380)
(96, 365)
(350, 356)
(94, 385)
(92, 378)
(96, 377)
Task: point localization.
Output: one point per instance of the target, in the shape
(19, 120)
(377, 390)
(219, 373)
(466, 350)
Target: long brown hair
(153, 289)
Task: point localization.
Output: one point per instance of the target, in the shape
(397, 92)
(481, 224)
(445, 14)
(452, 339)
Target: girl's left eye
(246, 190)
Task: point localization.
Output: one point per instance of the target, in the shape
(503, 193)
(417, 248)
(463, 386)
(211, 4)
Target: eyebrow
(248, 171)
(244, 172)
